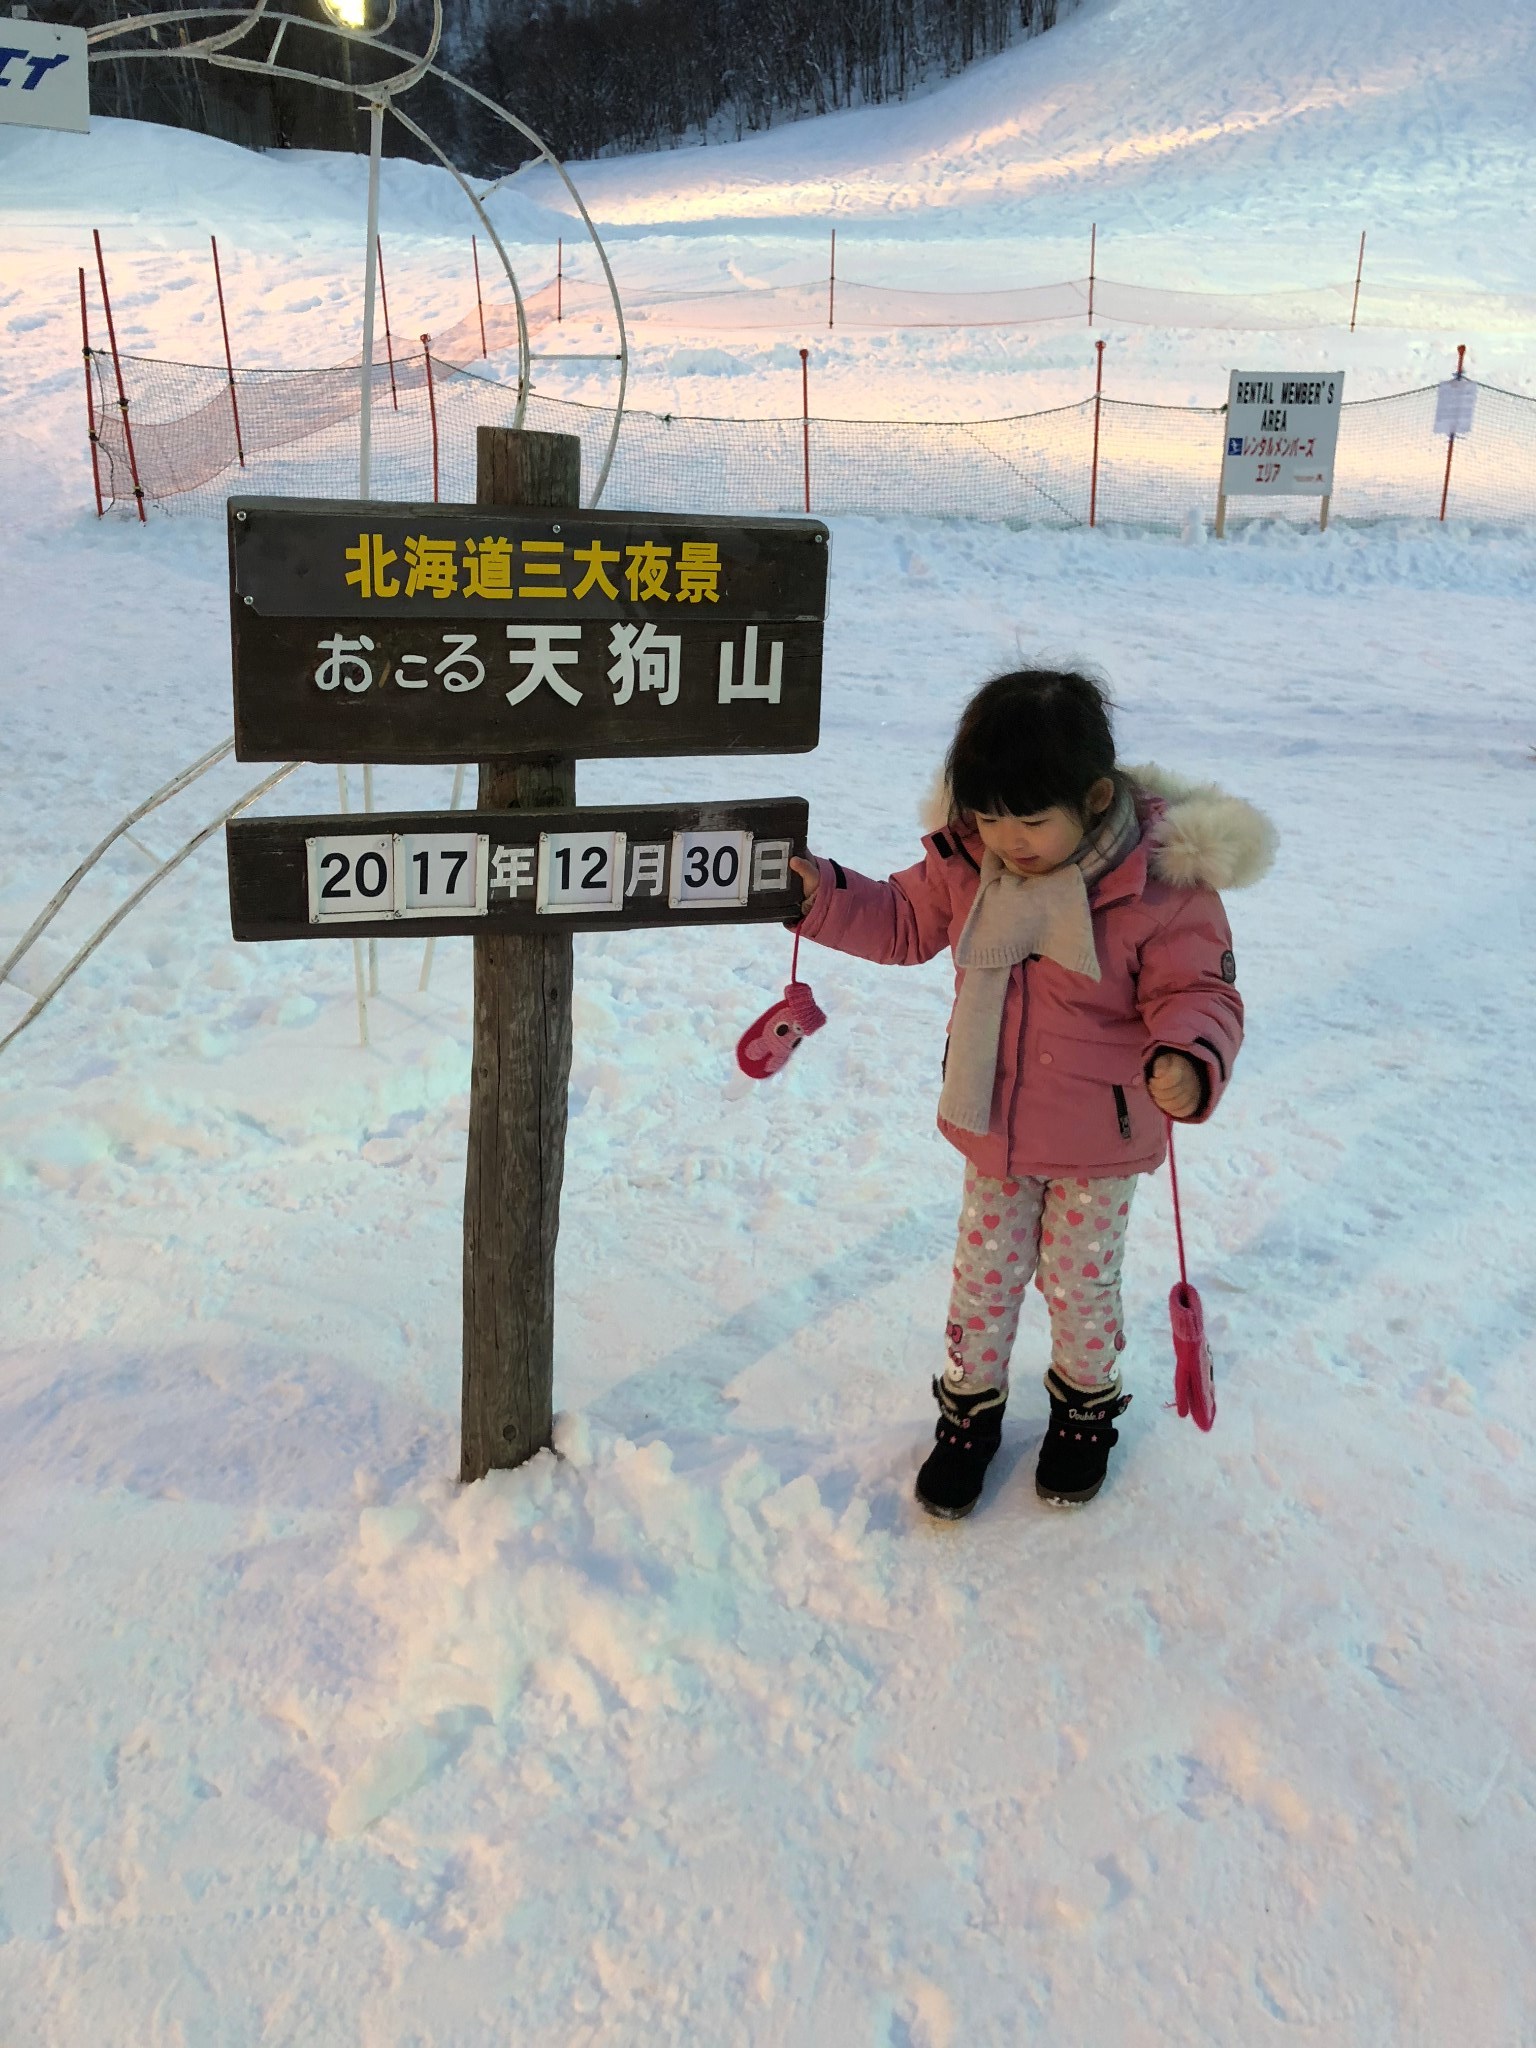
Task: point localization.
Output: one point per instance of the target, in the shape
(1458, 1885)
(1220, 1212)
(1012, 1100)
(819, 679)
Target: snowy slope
(698, 1733)
(1215, 148)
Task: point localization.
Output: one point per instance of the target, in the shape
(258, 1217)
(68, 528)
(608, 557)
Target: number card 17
(376, 876)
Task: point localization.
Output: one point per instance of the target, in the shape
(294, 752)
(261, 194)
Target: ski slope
(698, 1732)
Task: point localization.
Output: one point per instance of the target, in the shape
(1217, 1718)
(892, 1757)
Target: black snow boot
(1075, 1453)
(965, 1442)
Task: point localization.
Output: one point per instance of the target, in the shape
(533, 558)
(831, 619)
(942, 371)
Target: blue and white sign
(44, 77)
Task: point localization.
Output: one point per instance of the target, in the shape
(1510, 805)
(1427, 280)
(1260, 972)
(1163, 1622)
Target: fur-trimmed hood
(1201, 836)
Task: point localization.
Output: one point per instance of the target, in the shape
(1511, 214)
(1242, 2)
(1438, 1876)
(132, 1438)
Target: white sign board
(1281, 430)
(1455, 405)
(44, 79)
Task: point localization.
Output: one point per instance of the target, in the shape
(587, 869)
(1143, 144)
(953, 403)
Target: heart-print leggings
(1067, 1234)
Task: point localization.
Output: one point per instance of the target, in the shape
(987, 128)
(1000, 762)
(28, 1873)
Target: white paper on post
(44, 77)
(1455, 404)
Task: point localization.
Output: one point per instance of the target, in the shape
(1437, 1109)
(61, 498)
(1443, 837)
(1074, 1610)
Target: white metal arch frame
(380, 95)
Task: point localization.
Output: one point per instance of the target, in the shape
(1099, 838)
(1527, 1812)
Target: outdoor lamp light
(350, 13)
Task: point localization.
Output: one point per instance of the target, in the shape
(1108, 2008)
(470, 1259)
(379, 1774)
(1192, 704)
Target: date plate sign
(444, 872)
(394, 632)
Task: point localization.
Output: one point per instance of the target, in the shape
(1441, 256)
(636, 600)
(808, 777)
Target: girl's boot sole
(1066, 1500)
(943, 1514)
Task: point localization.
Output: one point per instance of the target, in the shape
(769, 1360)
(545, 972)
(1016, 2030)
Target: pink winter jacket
(1071, 1093)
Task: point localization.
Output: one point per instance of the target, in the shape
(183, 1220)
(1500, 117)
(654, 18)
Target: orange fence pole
(1098, 402)
(474, 250)
(426, 350)
(1450, 439)
(90, 398)
(1359, 267)
(117, 365)
(229, 361)
(389, 347)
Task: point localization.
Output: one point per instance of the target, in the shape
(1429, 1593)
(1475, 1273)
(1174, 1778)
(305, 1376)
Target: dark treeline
(594, 77)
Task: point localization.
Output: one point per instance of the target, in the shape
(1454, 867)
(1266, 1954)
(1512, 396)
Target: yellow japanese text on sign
(496, 570)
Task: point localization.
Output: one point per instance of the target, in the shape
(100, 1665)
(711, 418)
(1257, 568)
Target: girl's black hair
(1030, 740)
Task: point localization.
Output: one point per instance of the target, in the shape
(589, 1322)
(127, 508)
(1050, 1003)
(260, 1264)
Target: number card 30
(376, 876)
(710, 867)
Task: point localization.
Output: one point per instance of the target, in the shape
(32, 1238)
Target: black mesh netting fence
(1157, 465)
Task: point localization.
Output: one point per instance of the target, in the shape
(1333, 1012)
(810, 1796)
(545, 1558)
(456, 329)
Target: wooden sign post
(529, 632)
(519, 1074)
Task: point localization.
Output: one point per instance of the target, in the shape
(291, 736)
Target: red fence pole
(90, 397)
(426, 350)
(1098, 401)
(832, 281)
(1093, 261)
(389, 347)
(474, 250)
(117, 365)
(1359, 267)
(560, 279)
(1450, 439)
(229, 361)
(805, 418)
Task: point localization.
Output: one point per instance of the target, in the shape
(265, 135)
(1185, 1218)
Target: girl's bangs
(984, 787)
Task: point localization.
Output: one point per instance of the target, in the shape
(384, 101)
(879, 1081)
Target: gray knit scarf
(1013, 917)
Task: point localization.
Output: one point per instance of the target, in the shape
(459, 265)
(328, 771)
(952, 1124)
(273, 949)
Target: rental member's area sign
(44, 78)
(1282, 429)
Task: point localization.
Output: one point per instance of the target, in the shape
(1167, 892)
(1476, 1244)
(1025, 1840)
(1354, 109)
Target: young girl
(1095, 995)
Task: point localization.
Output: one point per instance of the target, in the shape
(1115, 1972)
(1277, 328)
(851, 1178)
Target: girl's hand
(810, 882)
(1174, 1085)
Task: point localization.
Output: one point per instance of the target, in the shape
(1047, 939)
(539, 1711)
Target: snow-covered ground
(699, 1732)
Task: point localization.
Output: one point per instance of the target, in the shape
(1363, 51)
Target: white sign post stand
(364, 480)
(44, 82)
(1279, 437)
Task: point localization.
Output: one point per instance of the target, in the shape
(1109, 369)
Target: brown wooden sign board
(597, 868)
(395, 632)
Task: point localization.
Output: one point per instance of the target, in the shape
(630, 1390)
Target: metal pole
(357, 944)
(373, 944)
(453, 805)
(370, 268)
(1359, 267)
(389, 346)
(479, 302)
(426, 350)
(560, 278)
(1098, 401)
(1450, 442)
(805, 418)
(117, 365)
(229, 361)
(90, 398)
(1093, 259)
(832, 280)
